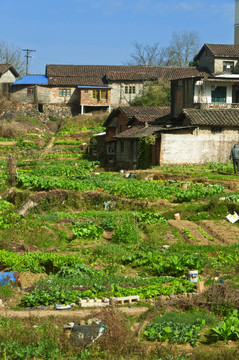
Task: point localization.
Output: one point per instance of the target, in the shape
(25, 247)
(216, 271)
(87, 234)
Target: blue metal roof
(93, 87)
(32, 80)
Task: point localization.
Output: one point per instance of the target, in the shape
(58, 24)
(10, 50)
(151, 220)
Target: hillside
(73, 230)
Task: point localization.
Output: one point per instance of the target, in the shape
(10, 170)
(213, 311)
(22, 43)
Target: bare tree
(182, 48)
(145, 55)
(13, 56)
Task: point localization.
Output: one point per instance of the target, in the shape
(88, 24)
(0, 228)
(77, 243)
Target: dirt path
(49, 145)
(79, 314)
(7, 143)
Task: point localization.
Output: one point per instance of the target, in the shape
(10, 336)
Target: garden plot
(218, 232)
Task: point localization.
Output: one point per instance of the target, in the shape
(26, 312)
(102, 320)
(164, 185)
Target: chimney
(236, 29)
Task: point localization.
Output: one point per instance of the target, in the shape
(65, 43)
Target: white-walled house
(8, 75)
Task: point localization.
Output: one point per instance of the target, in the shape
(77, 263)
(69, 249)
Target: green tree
(153, 94)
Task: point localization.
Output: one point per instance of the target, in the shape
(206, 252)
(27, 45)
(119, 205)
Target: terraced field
(75, 230)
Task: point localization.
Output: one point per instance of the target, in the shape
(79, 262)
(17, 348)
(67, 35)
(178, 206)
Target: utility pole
(27, 56)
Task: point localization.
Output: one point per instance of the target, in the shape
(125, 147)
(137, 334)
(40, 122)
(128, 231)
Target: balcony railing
(216, 105)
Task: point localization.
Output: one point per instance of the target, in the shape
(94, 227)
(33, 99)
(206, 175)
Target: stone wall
(32, 111)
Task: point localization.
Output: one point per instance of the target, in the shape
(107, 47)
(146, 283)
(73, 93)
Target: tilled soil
(221, 232)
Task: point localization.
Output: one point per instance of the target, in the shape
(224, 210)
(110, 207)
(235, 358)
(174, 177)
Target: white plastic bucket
(193, 275)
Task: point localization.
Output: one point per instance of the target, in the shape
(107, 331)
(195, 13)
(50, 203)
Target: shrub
(126, 232)
(87, 230)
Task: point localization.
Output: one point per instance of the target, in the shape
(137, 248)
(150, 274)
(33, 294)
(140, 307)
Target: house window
(65, 92)
(219, 94)
(129, 90)
(228, 66)
(111, 149)
(30, 91)
(121, 146)
(100, 94)
(104, 95)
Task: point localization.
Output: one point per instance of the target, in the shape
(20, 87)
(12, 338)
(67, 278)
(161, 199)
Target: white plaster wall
(118, 96)
(206, 91)
(7, 77)
(196, 149)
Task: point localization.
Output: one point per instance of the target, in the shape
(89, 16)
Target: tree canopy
(155, 93)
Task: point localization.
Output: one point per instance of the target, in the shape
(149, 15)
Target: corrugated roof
(32, 80)
(213, 117)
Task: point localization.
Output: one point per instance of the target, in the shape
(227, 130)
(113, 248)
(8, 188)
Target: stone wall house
(84, 88)
(8, 75)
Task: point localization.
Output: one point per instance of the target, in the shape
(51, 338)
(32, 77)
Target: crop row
(51, 295)
(131, 188)
(36, 262)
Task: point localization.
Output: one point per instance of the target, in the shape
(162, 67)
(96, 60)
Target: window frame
(219, 99)
(64, 92)
(30, 91)
(226, 64)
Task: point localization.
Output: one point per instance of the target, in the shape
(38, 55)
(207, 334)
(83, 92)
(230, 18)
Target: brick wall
(120, 126)
(86, 99)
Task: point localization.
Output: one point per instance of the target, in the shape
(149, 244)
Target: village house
(124, 128)
(85, 88)
(204, 116)
(8, 75)
(208, 108)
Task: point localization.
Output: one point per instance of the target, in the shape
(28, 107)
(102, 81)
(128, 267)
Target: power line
(27, 56)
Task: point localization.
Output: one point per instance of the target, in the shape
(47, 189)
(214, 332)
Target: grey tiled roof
(104, 74)
(213, 117)
(5, 67)
(142, 114)
(221, 50)
(137, 132)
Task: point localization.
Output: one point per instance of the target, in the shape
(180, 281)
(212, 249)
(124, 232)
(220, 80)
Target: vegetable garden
(79, 231)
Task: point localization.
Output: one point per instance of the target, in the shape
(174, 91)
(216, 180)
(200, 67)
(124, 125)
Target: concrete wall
(7, 77)
(118, 95)
(218, 65)
(206, 91)
(197, 149)
(215, 65)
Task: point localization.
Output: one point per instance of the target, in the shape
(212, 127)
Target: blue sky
(103, 31)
